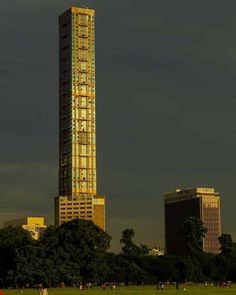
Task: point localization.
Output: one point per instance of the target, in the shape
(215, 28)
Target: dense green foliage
(77, 252)
(129, 249)
(194, 232)
(72, 252)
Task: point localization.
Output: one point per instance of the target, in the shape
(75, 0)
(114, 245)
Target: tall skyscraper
(203, 203)
(78, 196)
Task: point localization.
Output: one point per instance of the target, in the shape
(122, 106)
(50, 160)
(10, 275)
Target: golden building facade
(77, 174)
(35, 225)
(203, 203)
(80, 207)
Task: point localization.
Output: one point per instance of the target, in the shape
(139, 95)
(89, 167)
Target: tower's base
(88, 207)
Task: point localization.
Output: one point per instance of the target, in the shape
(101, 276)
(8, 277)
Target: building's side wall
(211, 220)
(83, 102)
(36, 220)
(56, 211)
(77, 103)
(99, 211)
(36, 225)
(65, 104)
(79, 207)
(175, 215)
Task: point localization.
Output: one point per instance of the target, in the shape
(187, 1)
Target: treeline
(77, 251)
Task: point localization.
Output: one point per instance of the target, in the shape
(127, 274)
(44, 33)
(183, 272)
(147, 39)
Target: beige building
(156, 252)
(81, 207)
(35, 225)
(203, 203)
(78, 196)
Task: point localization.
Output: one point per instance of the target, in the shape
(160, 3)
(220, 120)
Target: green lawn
(150, 290)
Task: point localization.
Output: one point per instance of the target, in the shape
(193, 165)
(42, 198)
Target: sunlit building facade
(35, 225)
(77, 176)
(203, 203)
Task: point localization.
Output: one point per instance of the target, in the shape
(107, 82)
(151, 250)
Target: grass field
(132, 290)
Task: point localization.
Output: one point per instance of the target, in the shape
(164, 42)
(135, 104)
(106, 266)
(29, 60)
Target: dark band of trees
(78, 252)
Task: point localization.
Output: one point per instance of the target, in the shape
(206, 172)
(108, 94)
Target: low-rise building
(156, 251)
(35, 225)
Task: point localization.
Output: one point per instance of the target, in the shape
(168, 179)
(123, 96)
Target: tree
(69, 253)
(226, 245)
(206, 262)
(77, 250)
(129, 249)
(161, 268)
(226, 261)
(194, 232)
(132, 259)
(185, 269)
(15, 245)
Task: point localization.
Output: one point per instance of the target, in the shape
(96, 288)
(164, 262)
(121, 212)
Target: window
(83, 114)
(83, 19)
(83, 101)
(83, 89)
(83, 31)
(83, 126)
(83, 78)
(83, 66)
(83, 149)
(83, 162)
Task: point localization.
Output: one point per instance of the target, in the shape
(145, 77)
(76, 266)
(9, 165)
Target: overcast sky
(166, 107)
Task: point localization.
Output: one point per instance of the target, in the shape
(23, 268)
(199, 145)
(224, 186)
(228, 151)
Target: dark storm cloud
(166, 105)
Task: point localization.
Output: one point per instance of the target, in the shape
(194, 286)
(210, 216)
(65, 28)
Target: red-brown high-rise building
(203, 203)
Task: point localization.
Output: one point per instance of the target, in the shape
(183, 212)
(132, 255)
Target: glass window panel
(83, 66)
(83, 149)
(83, 101)
(83, 114)
(83, 161)
(83, 88)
